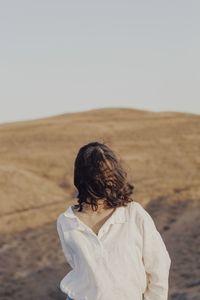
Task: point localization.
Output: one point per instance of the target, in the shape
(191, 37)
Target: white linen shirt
(126, 260)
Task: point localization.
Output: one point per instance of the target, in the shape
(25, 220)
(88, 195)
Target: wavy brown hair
(99, 174)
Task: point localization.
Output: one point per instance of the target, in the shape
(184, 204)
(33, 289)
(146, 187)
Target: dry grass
(160, 152)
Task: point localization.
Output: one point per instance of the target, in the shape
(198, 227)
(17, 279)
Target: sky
(68, 56)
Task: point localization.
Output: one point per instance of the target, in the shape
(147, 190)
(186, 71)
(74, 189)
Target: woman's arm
(156, 260)
(63, 245)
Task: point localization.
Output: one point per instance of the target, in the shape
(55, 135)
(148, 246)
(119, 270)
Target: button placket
(98, 237)
(100, 245)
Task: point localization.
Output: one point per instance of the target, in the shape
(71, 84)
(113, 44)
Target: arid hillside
(160, 152)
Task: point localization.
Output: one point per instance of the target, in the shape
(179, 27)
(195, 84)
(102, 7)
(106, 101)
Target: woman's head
(98, 174)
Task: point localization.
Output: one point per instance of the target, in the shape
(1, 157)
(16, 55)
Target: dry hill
(161, 154)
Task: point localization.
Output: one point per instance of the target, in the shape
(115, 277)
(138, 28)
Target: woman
(110, 241)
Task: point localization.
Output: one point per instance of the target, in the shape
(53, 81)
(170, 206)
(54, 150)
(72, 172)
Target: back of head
(99, 174)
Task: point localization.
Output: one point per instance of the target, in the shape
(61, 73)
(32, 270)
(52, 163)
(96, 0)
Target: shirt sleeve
(63, 245)
(156, 260)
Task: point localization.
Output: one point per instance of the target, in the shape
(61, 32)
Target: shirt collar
(118, 216)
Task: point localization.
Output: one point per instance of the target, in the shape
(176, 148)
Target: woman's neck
(102, 207)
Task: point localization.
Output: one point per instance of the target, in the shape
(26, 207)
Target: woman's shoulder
(135, 205)
(66, 219)
(59, 221)
(64, 214)
(144, 216)
(62, 221)
(138, 210)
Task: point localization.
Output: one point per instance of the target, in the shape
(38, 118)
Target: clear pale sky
(66, 56)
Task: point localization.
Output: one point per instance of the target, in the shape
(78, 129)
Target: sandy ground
(32, 263)
(161, 154)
